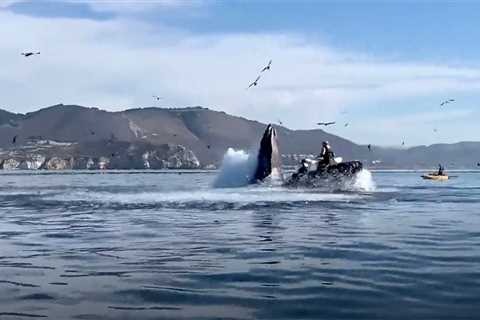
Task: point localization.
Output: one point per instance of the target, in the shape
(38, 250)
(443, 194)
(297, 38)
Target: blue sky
(397, 29)
(381, 66)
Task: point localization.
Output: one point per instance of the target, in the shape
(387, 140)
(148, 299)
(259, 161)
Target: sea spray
(238, 168)
(364, 181)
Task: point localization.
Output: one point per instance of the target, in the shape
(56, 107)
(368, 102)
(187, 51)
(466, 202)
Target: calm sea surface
(148, 245)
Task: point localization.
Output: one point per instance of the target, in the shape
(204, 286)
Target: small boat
(435, 176)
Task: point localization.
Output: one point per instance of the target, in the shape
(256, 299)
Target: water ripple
(150, 246)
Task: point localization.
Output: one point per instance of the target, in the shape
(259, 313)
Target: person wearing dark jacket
(326, 155)
(440, 170)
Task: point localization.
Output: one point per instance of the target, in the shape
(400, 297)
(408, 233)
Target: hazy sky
(382, 66)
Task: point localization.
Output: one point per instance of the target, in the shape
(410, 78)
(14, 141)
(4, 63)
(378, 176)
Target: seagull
(14, 140)
(447, 102)
(346, 124)
(28, 54)
(267, 67)
(157, 97)
(325, 123)
(254, 83)
(369, 147)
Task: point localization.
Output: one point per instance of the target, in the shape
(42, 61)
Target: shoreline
(194, 171)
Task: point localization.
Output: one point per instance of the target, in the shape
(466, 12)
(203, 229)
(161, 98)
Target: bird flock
(255, 83)
(343, 112)
(369, 146)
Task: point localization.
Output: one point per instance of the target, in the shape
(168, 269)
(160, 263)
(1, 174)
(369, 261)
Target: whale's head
(269, 163)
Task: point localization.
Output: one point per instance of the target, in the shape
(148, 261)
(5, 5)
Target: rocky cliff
(51, 155)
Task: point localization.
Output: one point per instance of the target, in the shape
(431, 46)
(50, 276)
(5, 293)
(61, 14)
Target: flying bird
(28, 54)
(280, 122)
(267, 67)
(325, 123)
(447, 102)
(14, 140)
(92, 132)
(254, 83)
(346, 124)
(157, 97)
(403, 143)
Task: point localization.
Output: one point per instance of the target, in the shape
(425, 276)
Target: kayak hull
(434, 177)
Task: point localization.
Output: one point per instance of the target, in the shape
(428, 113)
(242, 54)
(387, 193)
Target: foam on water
(364, 181)
(240, 195)
(149, 246)
(238, 168)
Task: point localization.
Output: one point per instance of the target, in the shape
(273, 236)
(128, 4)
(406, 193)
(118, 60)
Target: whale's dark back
(268, 159)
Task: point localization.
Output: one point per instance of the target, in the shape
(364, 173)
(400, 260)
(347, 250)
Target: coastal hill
(96, 133)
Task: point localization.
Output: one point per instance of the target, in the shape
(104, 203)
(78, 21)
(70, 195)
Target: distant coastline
(77, 137)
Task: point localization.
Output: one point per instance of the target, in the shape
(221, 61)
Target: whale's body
(269, 163)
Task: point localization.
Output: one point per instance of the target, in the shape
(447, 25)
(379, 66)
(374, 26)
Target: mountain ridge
(208, 133)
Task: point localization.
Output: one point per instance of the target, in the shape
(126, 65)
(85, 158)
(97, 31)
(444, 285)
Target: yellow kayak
(434, 176)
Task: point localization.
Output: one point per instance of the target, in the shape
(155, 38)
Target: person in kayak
(326, 155)
(440, 170)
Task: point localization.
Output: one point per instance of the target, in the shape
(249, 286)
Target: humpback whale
(269, 165)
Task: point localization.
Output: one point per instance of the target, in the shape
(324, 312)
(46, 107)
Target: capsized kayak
(432, 176)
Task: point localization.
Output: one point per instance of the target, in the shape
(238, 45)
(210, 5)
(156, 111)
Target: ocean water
(167, 245)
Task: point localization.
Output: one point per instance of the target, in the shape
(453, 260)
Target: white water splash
(253, 195)
(364, 181)
(238, 168)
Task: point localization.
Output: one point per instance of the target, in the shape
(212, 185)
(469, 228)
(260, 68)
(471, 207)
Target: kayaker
(440, 170)
(326, 155)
